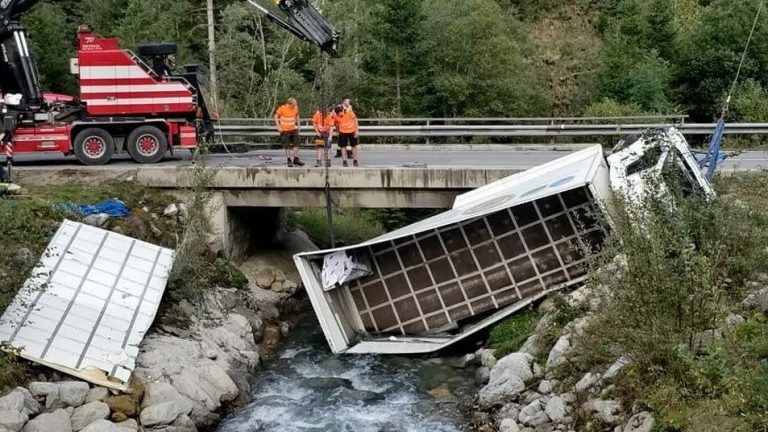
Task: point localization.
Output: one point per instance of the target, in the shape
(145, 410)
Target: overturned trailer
(499, 249)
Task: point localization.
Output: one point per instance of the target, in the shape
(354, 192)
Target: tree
(52, 45)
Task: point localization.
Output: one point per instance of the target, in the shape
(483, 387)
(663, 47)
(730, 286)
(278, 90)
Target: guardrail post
(428, 124)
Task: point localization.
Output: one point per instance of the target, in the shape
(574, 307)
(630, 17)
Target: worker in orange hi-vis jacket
(287, 121)
(349, 132)
(323, 122)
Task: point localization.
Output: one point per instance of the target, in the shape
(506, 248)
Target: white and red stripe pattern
(113, 83)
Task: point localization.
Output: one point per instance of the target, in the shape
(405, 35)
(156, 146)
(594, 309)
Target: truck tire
(94, 146)
(146, 144)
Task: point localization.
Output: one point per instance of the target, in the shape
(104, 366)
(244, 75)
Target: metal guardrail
(554, 127)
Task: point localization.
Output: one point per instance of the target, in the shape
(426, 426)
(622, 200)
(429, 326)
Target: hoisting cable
(321, 89)
(713, 155)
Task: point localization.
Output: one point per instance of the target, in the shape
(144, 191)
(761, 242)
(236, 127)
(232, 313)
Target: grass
(350, 226)
(687, 268)
(509, 335)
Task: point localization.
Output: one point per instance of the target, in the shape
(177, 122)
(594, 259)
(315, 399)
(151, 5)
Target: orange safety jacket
(287, 117)
(317, 121)
(348, 122)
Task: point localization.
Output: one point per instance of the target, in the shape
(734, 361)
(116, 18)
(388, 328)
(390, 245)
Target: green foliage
(45, 25)
(162, 21)
(680, 273)
(509, 335)
(349, 226)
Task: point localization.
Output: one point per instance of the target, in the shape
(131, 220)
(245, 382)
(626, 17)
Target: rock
(487, 358)
(733, 320)
(118, 417)
(130, 424)
(606, 411)
(271, 338)
(586, 382)
(159, 392)
(557, 354)
(89, 413)
(757, 300)
(568, 398)
(171, 210)
(531, 345)
(73, 393)
(97, 220)
(290, 287)
(103, 426)
(518, 363)
(482, 375)
(183, 212)
(277, 287)
(506, 380)
(355, 396)
(533, 415)
(31, 407)
(226, 389)
(13, 401)
(327, 383)
(265, 277)
(12, 421)
(285, 328)
(161, 414)
(441, 393)
(96, 394)
(56, 421)
(531, 396)
(508, 425)
(617, 366)
(43, 388)
(510, 410)
(640, 422)
(463, 361)
(538, 371)
(555, 409)
(138, 228)
(545, 387)
(184, 423)
(703, 340)
(123, 404)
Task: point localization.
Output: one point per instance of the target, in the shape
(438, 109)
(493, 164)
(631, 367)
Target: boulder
(586, 382)
(86, 414)
(640, 422)
(518, 363)
(757, 301)
(545, 387)
(501, 388)
(733, 320)
(73, 393)
(225, 389)
(606, 411)
(103, 426)
(703, 340)
(118, 417)
(482, 375)
(533, 415)
(97, 220)
(160, 392)
(487, 358)
(555, 409)
(129, 425)
(171, 210)
(557, 354)
(43, 388)
(508, 425)
(327, 383)
(96, 394)
(12, 421)
(265, 277)
(56, 421)
(531, 345)
(124, 404)
(13, 401)
(161, 414)
(616, 367)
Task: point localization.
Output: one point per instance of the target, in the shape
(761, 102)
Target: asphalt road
(493, 158)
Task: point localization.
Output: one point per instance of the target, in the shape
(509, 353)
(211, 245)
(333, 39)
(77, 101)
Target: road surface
(746, 161)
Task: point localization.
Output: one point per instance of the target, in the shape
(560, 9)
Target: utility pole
(212, 53)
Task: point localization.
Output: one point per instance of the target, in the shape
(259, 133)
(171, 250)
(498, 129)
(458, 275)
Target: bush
(683, 269)
(350, 226)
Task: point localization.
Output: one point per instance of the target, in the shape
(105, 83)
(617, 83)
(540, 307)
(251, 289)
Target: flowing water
(306, 388)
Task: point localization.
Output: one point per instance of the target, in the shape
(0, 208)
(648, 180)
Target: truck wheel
(146, 144)
(94, 146)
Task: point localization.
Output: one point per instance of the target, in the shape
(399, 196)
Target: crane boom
(304, 21)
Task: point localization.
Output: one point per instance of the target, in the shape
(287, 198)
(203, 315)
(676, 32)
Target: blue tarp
(111, 207)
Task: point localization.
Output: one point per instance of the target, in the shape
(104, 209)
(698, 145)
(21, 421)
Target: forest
(448, 58)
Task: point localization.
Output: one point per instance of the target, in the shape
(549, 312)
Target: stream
(307, 388)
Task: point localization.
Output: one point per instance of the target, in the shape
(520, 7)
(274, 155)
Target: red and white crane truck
(126, 102)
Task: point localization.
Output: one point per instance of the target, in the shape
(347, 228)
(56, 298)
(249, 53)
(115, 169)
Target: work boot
(345, 164)
(290, 162)
(318, 164)
(298, 162)
(338, 153)
(354, 162)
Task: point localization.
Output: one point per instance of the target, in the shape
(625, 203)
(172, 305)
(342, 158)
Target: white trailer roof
(88, 304)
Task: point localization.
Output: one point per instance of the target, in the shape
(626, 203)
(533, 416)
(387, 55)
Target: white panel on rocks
(88, 303)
